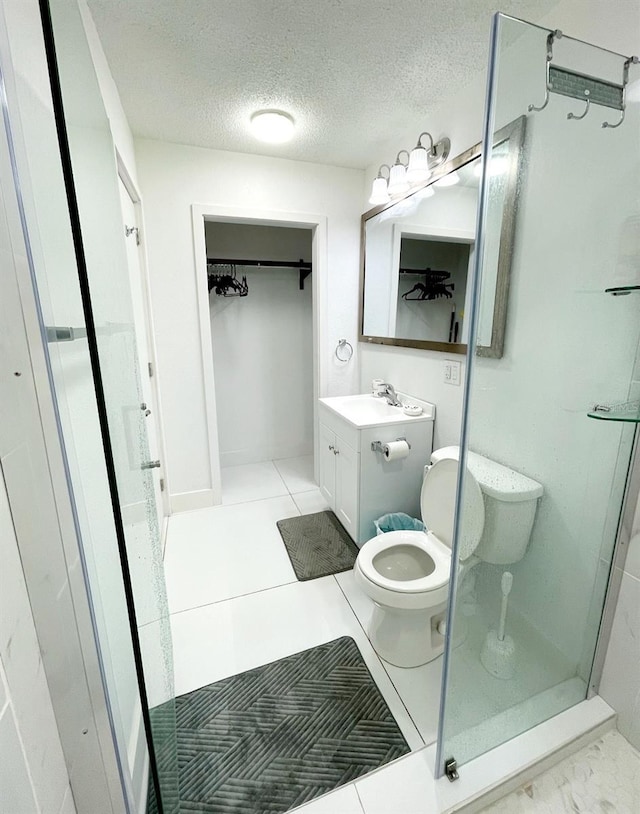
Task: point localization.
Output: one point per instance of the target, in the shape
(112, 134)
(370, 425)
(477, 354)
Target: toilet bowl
(406, 573)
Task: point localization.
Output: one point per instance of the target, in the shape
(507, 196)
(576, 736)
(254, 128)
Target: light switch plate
(451, 372)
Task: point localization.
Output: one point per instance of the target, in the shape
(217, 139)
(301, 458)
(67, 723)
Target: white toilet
(406, 573)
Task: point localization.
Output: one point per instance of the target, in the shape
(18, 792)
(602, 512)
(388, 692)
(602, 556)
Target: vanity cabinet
(339, 477)
(357, 482)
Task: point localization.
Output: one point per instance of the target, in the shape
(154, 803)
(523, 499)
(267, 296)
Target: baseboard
(191, 501)
(265, 452)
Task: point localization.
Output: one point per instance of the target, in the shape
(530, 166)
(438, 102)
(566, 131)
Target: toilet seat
(438, 506)
(425, 542)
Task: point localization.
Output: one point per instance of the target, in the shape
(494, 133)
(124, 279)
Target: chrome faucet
(388, 392)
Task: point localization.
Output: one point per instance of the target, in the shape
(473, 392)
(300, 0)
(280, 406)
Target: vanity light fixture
(272, 126)
(418, 169)
(379, 191)
(415, 170)
(398, 176)
(447, 180)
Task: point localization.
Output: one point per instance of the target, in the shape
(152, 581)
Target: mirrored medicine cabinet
(418, 252)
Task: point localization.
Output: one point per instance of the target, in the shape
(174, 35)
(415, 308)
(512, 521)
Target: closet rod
(288, 264)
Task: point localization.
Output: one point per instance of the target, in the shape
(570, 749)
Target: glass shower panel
(132, 521)
(569, 345)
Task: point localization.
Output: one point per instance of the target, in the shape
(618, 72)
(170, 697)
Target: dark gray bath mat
(275, 737)
(317, 545)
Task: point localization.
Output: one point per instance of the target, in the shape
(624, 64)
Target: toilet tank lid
(494, 479)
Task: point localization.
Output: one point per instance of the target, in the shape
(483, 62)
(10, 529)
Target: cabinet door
(347, 486)
(327, 465)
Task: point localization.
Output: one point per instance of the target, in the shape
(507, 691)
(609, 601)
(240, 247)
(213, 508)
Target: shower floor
(602, 777)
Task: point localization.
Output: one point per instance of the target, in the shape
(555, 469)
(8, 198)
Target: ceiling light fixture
(415, 170)
(379, 191)
(272, 126)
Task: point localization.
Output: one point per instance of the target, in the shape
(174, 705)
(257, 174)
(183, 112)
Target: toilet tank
(510, 503)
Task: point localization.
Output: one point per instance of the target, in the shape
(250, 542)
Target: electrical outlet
(452, 372)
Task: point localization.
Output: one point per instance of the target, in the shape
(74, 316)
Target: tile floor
(236, 604)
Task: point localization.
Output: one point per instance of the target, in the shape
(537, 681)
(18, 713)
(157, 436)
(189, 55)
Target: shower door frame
(618, 559)
(317, 223)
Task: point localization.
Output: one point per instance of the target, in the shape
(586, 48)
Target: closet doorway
(261, 318)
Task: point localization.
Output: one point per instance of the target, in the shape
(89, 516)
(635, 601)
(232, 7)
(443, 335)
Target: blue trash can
(398, 521)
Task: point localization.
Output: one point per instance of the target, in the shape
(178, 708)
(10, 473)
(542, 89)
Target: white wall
(262, 347)
(620, 685)
(173, 177)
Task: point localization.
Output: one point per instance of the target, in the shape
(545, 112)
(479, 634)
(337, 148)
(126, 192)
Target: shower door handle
(150, 465)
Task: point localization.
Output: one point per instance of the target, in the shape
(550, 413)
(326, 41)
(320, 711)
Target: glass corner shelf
(628, 411)
(622, 290)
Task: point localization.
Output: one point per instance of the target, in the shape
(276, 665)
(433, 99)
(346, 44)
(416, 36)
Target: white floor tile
(310, 502)
(215, 554)
(419, 687)
(217, 641)
(342, 801)
(403, 787)
(251, 482)
(297, 473)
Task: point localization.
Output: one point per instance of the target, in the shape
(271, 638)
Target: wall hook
(586, 110)
(551, 36)
(625, 81)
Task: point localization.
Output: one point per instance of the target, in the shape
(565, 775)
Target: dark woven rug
(317, 545)
(275, 737)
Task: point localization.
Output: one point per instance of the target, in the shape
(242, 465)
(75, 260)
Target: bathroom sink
(371, 411)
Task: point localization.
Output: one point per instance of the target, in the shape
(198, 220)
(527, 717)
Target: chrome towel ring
(344, 350)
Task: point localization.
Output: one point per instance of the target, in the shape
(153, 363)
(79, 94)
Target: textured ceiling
(353, 73)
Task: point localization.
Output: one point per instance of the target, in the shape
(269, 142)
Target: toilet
(406, 573)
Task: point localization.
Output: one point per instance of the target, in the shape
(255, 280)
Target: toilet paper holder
(378, 446)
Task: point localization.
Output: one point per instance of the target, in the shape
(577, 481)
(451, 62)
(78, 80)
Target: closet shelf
(628, 411)
(621, 290)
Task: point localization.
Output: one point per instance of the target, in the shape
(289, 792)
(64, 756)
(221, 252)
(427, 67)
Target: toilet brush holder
(498, 656)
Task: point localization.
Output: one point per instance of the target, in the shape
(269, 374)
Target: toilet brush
(498, 653)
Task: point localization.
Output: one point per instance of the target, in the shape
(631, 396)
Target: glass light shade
(398, 180)
(272, 126)
(379, 192)
(418, 169)
(448, 180)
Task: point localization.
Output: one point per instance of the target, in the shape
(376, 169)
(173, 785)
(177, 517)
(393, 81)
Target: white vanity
(356, 479)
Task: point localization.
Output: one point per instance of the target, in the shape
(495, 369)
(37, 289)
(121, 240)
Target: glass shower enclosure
(554, 406)
(570, 358)
(65, 167)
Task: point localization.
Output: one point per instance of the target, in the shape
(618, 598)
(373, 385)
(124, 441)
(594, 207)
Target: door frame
(200, 213)
(136, 198)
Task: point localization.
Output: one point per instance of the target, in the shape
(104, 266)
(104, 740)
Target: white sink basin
(371, 411)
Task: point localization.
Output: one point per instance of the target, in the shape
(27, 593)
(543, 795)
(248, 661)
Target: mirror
(418, 254)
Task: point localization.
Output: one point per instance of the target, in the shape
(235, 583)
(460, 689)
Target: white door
(347, 486)
(327, 465)
(141, 319)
